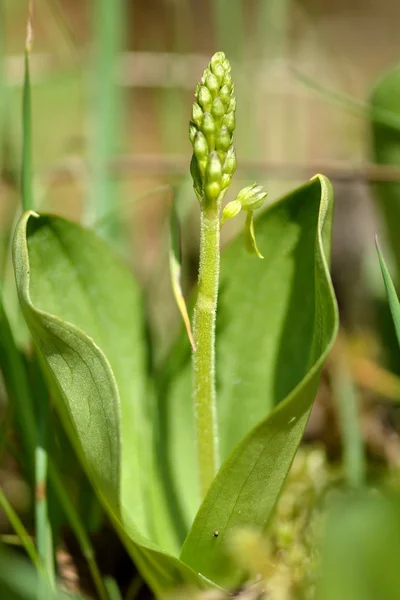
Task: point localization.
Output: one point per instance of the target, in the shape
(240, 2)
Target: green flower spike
(211, 133)
(249, 199)
(212, 167)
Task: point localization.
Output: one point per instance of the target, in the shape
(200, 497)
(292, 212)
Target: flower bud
(219, 73)
(204, 98)
(192, 131)
(225, 95)
(212, 190)
(212, 84)
(200, 149)
(230, 210)
(214, 168)
(218, 109)
(208, 127)
(227, 80)
(226, 181)
(229, 167)
(206, 73)
(223, 140)
(197, 115)
(217, 59)
(226, 65)
(229, 121)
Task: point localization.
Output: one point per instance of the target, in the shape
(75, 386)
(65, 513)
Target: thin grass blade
(394, 303)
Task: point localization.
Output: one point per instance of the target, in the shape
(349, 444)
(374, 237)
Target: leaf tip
(29, 28)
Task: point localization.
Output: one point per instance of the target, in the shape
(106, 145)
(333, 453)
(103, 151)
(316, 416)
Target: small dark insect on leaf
(216, 533)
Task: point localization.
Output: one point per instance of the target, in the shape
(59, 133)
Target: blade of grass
(27, 171)
(358, 108)
(17, 387)
(20, 530)
(348, 415)
(2, 86)
(44, 534)
(108, 20)
(134, 588)
(391, 292)
(112, 588)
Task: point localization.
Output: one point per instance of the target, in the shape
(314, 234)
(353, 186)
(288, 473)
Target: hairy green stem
(204, 357)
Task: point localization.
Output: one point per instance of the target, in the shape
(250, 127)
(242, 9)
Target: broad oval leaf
(281, 364)
(276, 322)
(83, 309)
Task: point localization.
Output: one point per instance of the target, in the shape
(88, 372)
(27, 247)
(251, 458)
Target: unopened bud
(230, 210)
(229, 121)
(218, 108)
(226, 181)
(226, 65)
(200, 148)
(192, 131)
(212, 84)
(204, 98)
(197, 115)
(230, 162)
(208, 127)
(225, 95)
(228, 80)
(214, 168)
(223, 140)
(212, 190)
(217, 59)
(204, 76)
(219, 73)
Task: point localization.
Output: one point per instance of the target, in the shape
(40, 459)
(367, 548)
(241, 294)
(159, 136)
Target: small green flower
(248, 199)
(252, 197)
